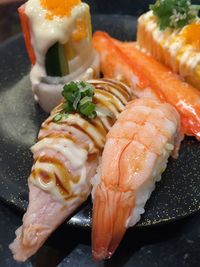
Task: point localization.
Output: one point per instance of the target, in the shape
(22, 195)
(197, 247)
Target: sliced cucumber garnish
(56, 62)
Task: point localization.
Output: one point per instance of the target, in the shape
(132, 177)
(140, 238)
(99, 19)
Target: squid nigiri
(135, 155)
(149, 78)
(65, 158)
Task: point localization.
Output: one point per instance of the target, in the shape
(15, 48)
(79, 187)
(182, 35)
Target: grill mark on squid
(115, 96)
(99, 125)
(112, 91)
(59, 134)
(109, 97)
(59, 164)
(105, 84)
(88, 134)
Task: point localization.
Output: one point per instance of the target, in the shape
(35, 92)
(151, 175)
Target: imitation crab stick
(26, 32)
(149, 78)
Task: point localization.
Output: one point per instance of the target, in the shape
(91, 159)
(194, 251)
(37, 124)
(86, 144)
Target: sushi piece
(149, 78)
(176, 44)
(135, 155)
(66, 157)
(58, 38)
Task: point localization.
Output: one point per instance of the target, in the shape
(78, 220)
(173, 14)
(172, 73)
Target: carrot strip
(166, 85)
(26, 32)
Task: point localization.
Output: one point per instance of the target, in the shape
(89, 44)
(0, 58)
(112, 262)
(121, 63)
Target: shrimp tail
(112, 210)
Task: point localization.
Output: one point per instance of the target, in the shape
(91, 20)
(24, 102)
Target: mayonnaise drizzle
(71, 153)
(76, 155)
(173, 42)
(45, 33)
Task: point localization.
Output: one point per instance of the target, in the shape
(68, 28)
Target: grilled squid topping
(67, 147)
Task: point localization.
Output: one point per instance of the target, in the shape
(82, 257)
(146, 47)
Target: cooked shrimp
(149, 78)
(134, 157)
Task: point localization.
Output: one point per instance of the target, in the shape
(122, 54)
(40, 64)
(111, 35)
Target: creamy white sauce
(92, 130)
(151, 26)
(44, 34)
(76, 157)
(175, 47)
(158, 35)
(109, 103)
(148, 15)
(79, 188)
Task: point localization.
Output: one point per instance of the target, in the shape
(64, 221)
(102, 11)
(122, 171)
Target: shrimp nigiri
(135, 155)
(149, 78)
(65, 158)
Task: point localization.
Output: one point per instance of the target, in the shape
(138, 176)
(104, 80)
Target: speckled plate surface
(176, 196)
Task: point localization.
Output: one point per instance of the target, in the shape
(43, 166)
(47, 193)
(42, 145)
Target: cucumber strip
(56, 62)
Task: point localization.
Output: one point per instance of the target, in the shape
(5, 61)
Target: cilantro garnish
(174, 13)
(78, 97)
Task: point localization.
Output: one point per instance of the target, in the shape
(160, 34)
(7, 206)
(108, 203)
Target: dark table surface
(176, 244)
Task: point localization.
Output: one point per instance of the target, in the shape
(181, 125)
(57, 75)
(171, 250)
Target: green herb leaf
(57, 118)
(84, 100)
(77, 100)
(68, 107)
(87, 109)
(60, 116)
(78, 97)
(174, 13)
(69, 91)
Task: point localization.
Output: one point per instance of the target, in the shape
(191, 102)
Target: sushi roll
(66, 156)
(135, 156)
(170, 32)
(58, 38)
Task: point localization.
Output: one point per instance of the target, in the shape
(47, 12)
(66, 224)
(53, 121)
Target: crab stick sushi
(58, 41)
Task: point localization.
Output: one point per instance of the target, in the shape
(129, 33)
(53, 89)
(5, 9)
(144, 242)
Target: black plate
(176, 196)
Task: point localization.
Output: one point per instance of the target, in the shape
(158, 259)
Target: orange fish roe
(59, 8)
(191, 34)
(80, 32)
